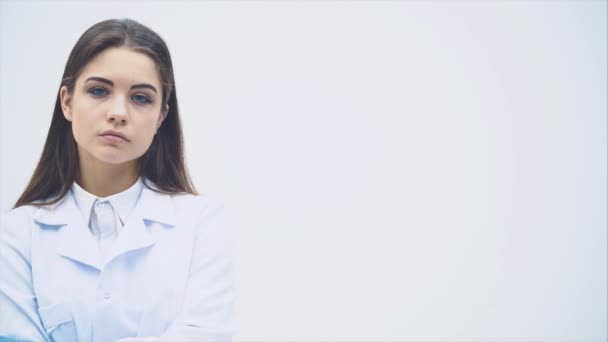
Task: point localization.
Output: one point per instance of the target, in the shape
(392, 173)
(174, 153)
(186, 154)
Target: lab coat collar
(155, 207)
(122, 203)
(76, 241)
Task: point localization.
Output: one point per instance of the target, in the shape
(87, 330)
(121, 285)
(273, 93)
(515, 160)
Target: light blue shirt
(106, 216)
(168, 276)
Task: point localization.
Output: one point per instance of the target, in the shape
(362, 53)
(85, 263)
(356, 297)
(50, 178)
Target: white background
(396, 170)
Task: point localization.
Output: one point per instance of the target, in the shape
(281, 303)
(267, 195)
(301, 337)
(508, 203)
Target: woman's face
(119, 92)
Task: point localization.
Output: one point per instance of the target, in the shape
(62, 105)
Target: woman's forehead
(122, 66)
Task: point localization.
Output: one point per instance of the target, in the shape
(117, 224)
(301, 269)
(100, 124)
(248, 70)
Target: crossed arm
(207, 313)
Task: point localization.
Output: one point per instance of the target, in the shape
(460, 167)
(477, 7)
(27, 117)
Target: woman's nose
(118, 110)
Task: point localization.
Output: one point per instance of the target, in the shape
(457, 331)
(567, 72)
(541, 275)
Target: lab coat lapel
(151, 207)
(74, 239)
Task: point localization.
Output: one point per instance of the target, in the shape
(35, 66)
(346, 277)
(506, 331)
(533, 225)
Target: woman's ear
(163, 115)
(66, 103)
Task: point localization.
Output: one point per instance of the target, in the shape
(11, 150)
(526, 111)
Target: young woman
(110, 241)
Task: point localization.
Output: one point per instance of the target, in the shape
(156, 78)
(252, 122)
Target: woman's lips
(113, 138)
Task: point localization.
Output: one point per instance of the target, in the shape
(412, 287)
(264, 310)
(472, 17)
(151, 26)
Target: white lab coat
(169, 277)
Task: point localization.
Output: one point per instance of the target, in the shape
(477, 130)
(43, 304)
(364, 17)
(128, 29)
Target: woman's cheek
(76, 132)
(143, 143)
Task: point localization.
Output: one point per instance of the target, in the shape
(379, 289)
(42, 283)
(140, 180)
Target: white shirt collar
(123, 202)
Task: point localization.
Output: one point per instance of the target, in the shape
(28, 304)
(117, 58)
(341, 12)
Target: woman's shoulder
(28, 211)
(200, 202)
(209, 215)
(16, 223)
(184, 204)
(24, 212)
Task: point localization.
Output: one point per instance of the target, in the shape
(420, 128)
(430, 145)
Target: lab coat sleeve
(19, 318)
(208, 311)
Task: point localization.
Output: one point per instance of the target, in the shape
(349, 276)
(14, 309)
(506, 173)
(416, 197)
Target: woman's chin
(113, 158)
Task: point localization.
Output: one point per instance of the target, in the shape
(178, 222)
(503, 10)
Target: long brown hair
(163, 163)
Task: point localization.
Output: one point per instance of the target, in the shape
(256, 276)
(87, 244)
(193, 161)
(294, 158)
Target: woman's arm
(19, 319)
(208, 308)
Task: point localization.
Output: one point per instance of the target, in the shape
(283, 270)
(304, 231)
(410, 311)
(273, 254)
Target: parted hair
(163, 163)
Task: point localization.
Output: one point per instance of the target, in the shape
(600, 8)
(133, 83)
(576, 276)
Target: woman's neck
(103, 179)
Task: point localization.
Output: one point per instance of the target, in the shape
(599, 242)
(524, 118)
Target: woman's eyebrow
(107, 81)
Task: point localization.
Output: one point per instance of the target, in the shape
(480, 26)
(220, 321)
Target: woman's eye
(142, 98)
(97, 91)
